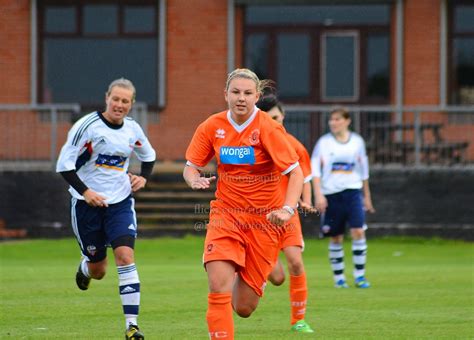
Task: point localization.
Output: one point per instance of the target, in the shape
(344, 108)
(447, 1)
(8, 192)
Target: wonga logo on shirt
(237, 155)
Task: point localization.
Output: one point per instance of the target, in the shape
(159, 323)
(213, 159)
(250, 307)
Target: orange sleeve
(200, 150)
(305, 161)
(279, 148)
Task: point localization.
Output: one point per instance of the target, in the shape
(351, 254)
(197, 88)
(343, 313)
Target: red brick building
(390, 53)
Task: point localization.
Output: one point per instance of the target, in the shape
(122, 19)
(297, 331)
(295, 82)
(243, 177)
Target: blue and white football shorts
(97, 227)
(344, 208)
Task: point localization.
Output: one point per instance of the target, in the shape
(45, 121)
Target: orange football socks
(219, 316)
(298, 296)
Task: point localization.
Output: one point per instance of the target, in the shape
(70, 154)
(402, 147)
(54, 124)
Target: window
(256, 54)
(292, 75)
(462, 53)
(377, 65)
(86, 44)
(340, 78)
(321, 54)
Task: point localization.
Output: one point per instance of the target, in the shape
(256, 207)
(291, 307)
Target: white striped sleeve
(200, 168)
(75, 143)
(142, 147)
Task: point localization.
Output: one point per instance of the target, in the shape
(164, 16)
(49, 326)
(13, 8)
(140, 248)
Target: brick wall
(197, 65)
(196, 72)
(422, 66)
(421, 52)
(14, 51)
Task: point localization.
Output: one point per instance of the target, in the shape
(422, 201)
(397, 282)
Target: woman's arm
(193, 178)
(320, 201)
(293, 194)
(367, 198)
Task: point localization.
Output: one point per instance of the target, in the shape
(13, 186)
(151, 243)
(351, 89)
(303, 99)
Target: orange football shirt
(251, 159)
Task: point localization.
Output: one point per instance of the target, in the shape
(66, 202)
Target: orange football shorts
(246, 239)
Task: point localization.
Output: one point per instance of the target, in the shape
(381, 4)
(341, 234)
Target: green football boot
(302, 327)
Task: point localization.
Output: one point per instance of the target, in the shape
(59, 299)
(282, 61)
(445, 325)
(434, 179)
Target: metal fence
(416, 136)
(31, 136)
(411, 136)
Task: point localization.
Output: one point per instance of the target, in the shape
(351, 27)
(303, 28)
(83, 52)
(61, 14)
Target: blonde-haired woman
(249, 214)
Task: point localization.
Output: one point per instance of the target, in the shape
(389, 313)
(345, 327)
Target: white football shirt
(340, 166)
(100, 153)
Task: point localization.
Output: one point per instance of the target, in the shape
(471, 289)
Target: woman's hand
(137, 182)
(279, 217)
(307, 208)
(94, 199)
(368, 205)
(321, 203)
(199, 182)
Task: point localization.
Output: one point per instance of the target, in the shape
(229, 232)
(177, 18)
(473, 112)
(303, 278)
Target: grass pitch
(421, 289)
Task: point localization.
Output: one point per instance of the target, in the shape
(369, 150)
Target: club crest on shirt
(134, 143)
(91, 249)
(254, 137)
(220, 133)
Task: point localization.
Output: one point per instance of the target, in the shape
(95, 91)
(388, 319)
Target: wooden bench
(404, 152)
(445, 152)
(384, 129)
(383, 148)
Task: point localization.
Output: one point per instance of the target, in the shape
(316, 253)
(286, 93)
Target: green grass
(421, 289)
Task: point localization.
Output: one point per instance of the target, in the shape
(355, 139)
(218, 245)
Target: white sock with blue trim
(129, 289)
(359, 257)
(336, 257)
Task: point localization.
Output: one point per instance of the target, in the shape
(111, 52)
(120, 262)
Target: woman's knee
(124, 256)
(124, 259)
(277, 275)
(244, 299)
(295, 266)
(219, 284)
(97, 270)
(277, 279)
(244, 310)
(357, 233)
(294, 259)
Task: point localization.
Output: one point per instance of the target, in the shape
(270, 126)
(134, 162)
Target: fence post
(54, 134)
(357, 121)
(417, 138)
(144, 121)
(322, 122)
